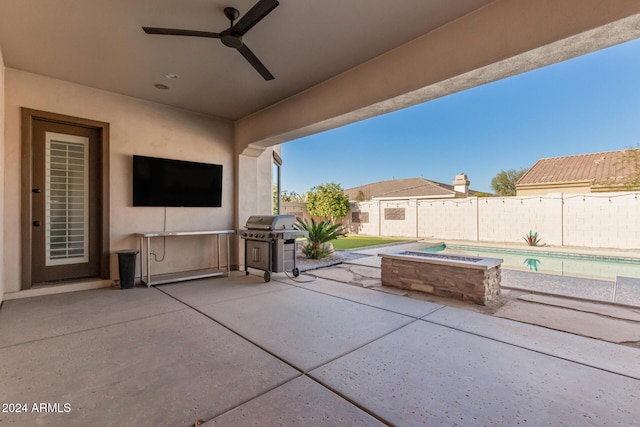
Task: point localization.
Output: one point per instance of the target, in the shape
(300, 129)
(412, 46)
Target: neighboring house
(411, 188)
(394, 189)
(580, 174)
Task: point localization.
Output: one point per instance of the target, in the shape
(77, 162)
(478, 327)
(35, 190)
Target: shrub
(532, 239)
(319, 235)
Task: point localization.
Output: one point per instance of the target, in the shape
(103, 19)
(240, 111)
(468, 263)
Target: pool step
(602, 327)
(587, 307)
(627, 291)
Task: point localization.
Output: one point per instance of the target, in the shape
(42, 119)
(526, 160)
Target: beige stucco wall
(2, 169)
(299, 209)
(255, 184)
(136, 127)
(600, 220)
(503, 39)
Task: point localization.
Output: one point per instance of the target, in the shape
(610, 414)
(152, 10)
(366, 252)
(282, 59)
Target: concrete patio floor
(240, 352)
(606, 310)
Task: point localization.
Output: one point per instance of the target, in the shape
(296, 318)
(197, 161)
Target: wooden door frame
(28, 116)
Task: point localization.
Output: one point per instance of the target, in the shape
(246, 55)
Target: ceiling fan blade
(254, 15)
(176, 32)
(253, 60)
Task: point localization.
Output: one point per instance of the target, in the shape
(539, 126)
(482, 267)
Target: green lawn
(352, 242)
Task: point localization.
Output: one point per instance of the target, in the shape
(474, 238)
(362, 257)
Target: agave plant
(319, 234)
(532, 238)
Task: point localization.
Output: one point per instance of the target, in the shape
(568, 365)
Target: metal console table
(145, 258)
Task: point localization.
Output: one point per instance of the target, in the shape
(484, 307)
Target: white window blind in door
(67, 199)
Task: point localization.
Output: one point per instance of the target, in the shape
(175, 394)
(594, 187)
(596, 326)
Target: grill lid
(270, 222)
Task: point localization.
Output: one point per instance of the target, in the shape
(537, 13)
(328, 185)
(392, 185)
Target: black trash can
(127, 268)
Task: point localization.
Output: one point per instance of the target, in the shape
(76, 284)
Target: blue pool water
(598, 267)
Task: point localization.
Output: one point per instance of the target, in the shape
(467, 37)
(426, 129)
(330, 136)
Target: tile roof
(606, 168)
(407, 187)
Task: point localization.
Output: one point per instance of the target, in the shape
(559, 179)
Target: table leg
(228, 257)
(148, 262)
(218, 249)
(141, 258)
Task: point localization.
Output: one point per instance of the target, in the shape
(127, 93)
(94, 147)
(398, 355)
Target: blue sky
(584, 105)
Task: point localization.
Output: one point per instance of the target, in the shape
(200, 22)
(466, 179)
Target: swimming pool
(564, 264)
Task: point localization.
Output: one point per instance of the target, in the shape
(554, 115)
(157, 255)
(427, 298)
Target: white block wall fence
(597, 220)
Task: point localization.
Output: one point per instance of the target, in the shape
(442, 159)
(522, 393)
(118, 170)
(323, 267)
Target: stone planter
(465, 278)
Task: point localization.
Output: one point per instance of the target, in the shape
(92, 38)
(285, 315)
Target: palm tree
(319, 234)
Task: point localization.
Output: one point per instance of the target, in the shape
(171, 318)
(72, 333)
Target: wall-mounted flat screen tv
(176, 183)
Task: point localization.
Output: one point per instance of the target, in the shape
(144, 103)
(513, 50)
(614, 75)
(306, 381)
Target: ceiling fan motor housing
(229, 39)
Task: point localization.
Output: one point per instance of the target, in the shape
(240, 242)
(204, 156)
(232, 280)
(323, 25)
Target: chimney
(461, 184)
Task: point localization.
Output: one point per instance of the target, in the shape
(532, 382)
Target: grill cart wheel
(295, 272)
(267, 276)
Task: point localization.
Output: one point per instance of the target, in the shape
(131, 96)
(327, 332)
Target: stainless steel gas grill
(270, 244)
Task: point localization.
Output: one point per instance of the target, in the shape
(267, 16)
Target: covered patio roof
(334, 62)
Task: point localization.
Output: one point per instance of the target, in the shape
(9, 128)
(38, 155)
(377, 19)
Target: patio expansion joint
(306, 372)
(231, 299)
(197, 310)
(353, 402)
(94, 328)
(337, 393)
(413, 320)
(262, 393)
(533, 350)
(365, 304)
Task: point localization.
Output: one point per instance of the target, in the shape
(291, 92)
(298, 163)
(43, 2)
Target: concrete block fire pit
(465, 278)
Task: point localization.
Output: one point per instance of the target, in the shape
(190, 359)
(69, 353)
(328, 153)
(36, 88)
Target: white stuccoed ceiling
(100, 43)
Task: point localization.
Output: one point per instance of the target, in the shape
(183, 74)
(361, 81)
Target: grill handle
(255, 254)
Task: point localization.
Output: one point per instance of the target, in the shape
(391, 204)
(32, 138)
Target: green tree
(361, 197)
(285, 196)
(327, 201)
(274, 192)
(504, 183)
(292, 196)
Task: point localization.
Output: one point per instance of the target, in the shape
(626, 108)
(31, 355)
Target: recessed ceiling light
(161, 86)
(171, 76)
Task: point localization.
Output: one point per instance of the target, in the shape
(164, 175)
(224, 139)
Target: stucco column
(254, 188)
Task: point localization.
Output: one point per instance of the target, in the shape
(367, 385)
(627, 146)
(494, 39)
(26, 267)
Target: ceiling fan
(232, 36)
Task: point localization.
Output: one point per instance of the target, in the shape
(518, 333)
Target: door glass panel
(67, 199)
